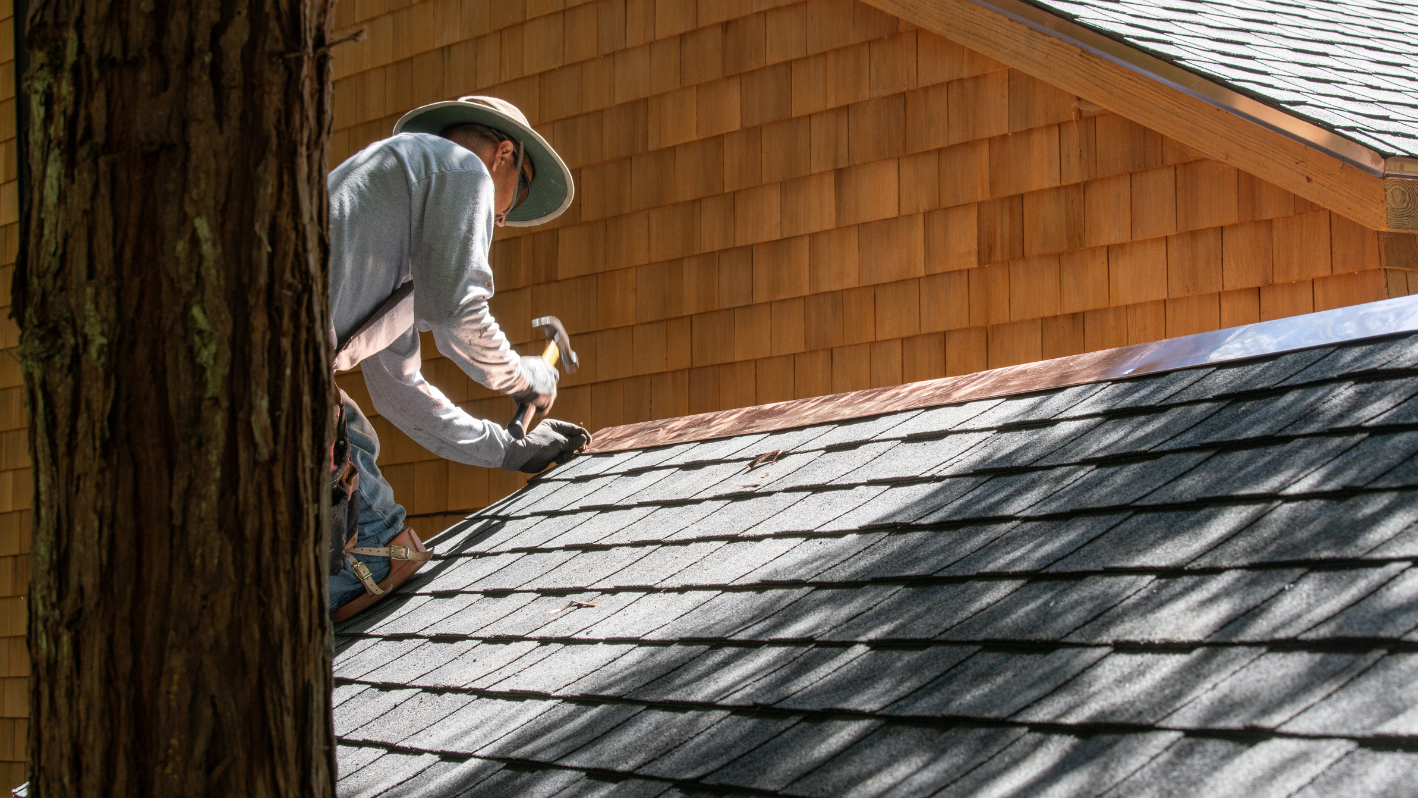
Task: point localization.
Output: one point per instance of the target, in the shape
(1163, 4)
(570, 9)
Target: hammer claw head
(554, 330)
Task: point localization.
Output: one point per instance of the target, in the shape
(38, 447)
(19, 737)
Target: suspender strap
(378, 315)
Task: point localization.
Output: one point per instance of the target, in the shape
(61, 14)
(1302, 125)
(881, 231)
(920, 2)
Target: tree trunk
(177, 374)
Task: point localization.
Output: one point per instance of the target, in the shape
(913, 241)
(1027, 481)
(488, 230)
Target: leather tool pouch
(344, 495)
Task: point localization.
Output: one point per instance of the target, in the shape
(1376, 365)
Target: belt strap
(393, 553)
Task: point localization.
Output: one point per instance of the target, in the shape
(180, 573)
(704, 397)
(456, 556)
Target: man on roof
(411, 223)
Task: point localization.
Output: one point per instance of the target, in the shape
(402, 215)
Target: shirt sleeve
(453, 281)
(401, 394)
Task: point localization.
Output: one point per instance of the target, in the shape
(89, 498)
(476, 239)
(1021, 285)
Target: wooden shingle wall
(787, 199)
(16, 488)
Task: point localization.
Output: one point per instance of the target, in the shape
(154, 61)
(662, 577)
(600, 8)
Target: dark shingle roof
(1349, 66)
(1189, 583)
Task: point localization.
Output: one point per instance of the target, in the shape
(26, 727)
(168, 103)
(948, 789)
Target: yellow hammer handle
(552, 353)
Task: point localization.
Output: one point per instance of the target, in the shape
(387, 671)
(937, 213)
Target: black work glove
(541, 379)
(552, 441)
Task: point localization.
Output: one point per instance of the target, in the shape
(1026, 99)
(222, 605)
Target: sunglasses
(524, 181)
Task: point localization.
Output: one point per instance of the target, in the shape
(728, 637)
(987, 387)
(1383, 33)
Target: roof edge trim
(1208, 91)
(1357, 322)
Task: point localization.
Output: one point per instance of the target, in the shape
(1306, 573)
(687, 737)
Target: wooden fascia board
(1302, 169)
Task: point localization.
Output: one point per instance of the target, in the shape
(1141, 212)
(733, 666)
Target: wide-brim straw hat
(552, 188)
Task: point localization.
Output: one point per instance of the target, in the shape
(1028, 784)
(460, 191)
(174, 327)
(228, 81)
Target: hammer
(558, 348)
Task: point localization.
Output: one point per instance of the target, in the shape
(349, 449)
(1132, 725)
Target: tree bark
(177, 374)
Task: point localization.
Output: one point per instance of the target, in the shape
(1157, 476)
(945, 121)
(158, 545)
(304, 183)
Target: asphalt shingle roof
(1349, 66)
(1187, 583)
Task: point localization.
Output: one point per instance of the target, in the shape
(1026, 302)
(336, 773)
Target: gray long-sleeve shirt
(419, 207)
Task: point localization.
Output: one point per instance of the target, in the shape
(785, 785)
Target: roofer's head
(532, 184)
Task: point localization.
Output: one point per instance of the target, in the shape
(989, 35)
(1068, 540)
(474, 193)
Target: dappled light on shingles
(1189, 583)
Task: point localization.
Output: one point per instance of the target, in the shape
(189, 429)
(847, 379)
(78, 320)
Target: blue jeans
(381, 519)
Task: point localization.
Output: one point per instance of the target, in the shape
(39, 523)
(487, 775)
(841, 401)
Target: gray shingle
(717, 672)
(877, 678)
(905, 554)
(350, 758)
(562, 667)
(686, 482)
(809, 557)
(1137, 688)
(818, 613)
(1381, 700)
(738, 516)
(715, 747)
(1200, 766)
(464, 571)
(1161, 540)
(937, 420)
(370, 657)
(1382, 774)
(512, 781)
(916, 458)
(618, 490)
(1132, 434)
(1187, 608)
(412, 714)
(1254, 418)
(571, 615)
(599, 526)
(1270, 690)
(725, 614)
(817, 509)
(795, 676)
(1317, 529)
(923, 613)
(1033, 545)
(535, 534)
(563, 728)
(479, 724)
(474, 664)
(1389, 612)
(642, 738)
(1115, 485)
(994, 684)
(735, 560)
(1355, 405)
(1061, 765)
(1250, 375)
(589, 567)
(385, 773)
(659, 566)
(1021, 447)
(1317, 597)
(648, 612)
(527, 621)
(716, 450)
(902, 504)
(641, 666)
(859, 431)
(748, 480)
(427, 657)
(521, 570)
(812, 743)
(597, 786)
(1361, 465)
(829, 466)
(1346, 360)
(903, 761)
(1125, 394)
(1009, 494)
(1260, 471)
(663, 523)
(446, 778)
(1047, 610)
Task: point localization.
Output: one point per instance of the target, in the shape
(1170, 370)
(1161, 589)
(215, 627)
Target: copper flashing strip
(1354, 323)
(1208, 91)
